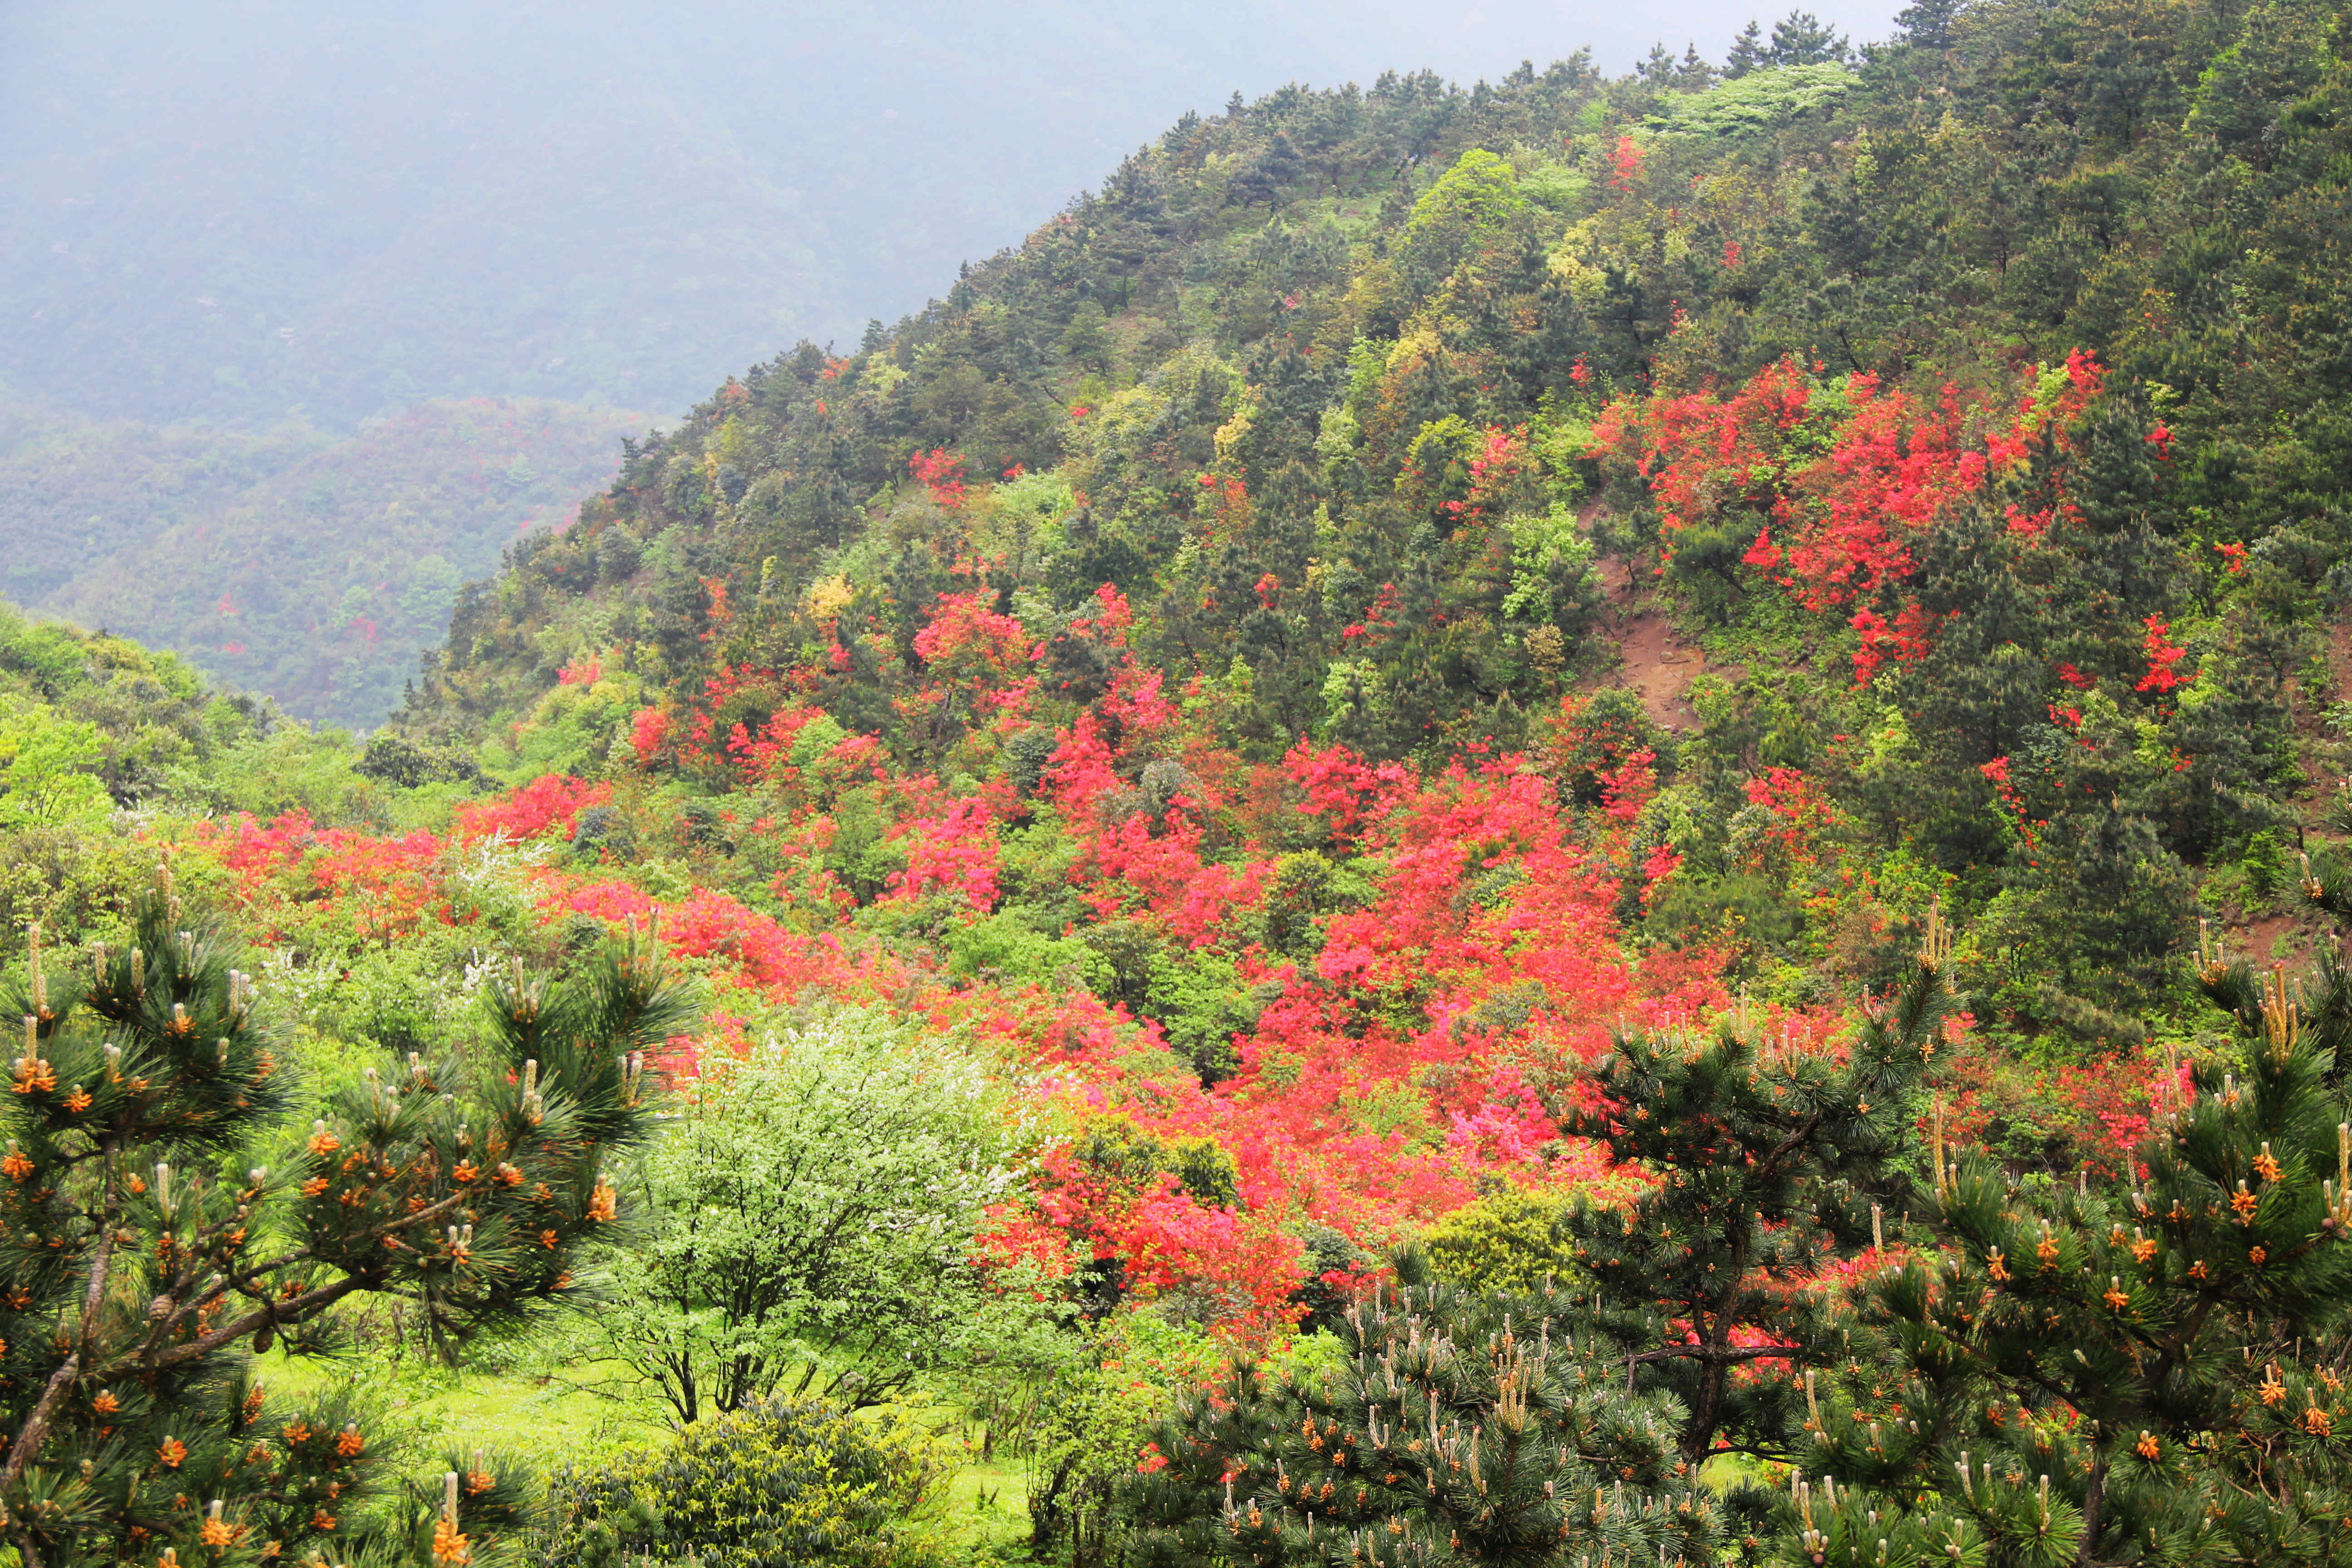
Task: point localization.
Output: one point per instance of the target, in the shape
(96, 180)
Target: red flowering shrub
(1840, 478)
(955, 850)
(962, 638)
(1625, 164)
(1428, 1044)
(530, 811)
(648, 732)
(1902, 639)
(941, 472)
(1801, 812)
(2162, 657)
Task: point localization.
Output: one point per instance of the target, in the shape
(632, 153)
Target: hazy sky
(235, 209)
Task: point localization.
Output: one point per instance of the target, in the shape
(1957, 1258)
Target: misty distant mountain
(236, 212)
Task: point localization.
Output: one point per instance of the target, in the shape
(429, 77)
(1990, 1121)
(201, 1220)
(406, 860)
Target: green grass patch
(541, 1420)
(547, 1421)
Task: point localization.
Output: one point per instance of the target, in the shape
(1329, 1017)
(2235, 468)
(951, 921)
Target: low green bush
(1507, 1240)
(783, 1483)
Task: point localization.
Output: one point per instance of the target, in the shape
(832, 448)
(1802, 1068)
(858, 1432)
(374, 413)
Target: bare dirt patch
(1654, 660)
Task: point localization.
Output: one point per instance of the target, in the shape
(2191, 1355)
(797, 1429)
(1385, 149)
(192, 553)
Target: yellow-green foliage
(1473, 205)
(781, 1482)
(1505, 1241)
(573, 727)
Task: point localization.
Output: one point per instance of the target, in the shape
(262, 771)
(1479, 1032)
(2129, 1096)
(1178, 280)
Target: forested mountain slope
(286, 561)
(1980, 399)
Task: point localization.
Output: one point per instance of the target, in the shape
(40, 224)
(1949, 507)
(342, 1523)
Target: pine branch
(2326, 886)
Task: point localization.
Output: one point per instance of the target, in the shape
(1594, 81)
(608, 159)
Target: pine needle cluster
(2152, 1374)
(1459, 1428)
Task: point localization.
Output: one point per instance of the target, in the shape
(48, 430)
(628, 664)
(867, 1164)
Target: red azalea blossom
(647, 731)
(1903, 639)
(2162, 655)
(1847, 474)
(941, 472)
(1625, 164)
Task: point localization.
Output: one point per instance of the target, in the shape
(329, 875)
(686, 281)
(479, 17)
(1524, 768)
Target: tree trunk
(2092, 1495)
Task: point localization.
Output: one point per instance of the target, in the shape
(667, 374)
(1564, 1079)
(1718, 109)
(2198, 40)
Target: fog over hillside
(244, 210)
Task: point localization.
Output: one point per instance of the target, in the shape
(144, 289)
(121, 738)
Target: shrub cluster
(784, 1481)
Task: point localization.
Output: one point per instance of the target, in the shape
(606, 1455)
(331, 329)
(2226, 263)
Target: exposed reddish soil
(2258, 937)
(1655, 662)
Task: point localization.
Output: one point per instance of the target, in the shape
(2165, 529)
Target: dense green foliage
(149, 1260)
(1460, 1428)
(2142, 1370)
(810, 1220)
(1505, 1241)
(1767, 1161)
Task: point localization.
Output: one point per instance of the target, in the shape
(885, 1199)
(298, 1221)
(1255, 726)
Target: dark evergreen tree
(1773, 1157)
(1927, 23)
(2150, 1372)
(1460, 1428)
(1801, 38)
(1747, 52)
(2105, 905)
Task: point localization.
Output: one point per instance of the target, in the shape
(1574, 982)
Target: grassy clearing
(984, 1513)
(547, 1421)
(541, 1420)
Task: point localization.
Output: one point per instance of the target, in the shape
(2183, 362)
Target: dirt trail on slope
(1655, 663)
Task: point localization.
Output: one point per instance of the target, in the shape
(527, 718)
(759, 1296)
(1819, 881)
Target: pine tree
(1801, 38)
(145, 1261)
(1747, 52)
(1927, 23)
(2324, 995)
(2152, 1374)
(1459, 1428)
(1768, 1156)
